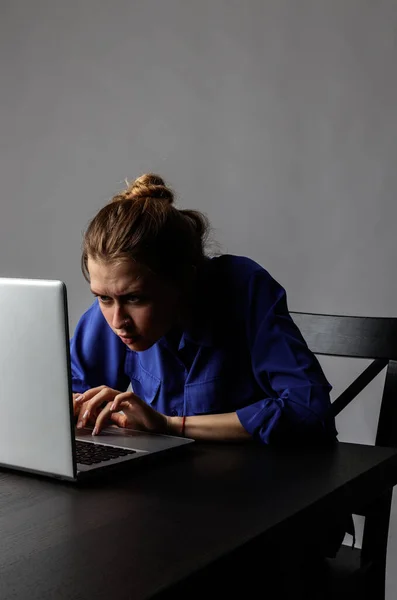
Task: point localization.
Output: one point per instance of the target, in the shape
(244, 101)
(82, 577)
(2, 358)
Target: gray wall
(276, 117)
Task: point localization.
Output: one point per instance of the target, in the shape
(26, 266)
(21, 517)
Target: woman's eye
(133, 299)
(127, 299)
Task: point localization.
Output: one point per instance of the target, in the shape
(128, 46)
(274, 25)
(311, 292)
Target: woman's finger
(107, 415)
(119, 419)
(85, 416)
(101, 419)
(80, 410)
(90, 406)
(77, 402)
(120, 398)
(93, 391)
(80, 398)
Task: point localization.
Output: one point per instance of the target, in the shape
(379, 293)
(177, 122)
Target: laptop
(37, 429)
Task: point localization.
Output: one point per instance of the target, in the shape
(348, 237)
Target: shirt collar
(200, 334)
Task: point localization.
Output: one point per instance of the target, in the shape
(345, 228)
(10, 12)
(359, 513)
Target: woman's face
(139, 306)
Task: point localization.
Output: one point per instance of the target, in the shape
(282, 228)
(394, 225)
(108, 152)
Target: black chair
(356, 573)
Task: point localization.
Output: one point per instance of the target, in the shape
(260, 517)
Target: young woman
(207, 344)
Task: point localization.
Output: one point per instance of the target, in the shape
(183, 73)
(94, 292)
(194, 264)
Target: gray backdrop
(276, 117)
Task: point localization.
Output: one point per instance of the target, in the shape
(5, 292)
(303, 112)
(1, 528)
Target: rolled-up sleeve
(296, 402)
(97, 355)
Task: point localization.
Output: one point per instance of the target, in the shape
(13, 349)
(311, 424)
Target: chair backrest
(370, 338)
(359, 337)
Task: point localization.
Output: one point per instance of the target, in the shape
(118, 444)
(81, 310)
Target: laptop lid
(36, 424)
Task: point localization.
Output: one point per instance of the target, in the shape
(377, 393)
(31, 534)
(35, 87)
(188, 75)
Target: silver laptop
(37, 430)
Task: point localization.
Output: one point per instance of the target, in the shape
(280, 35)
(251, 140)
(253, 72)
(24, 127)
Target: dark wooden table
(133, 534)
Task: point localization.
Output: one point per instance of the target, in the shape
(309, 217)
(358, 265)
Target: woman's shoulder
(237, 288)
(235, 281)
(237, 270)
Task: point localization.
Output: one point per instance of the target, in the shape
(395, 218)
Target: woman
(207, 344)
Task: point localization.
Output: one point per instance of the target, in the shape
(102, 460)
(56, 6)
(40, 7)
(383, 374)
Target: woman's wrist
(175, 425)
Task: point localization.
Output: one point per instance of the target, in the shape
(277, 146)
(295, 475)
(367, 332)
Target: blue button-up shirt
(242, 353)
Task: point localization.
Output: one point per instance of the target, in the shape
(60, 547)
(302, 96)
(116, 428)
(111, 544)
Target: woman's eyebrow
(130, 292)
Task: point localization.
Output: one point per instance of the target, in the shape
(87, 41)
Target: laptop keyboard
(88, 453)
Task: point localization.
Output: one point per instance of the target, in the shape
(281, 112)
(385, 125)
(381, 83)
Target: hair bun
(146, 186)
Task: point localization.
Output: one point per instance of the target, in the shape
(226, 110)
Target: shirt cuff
(260, 418)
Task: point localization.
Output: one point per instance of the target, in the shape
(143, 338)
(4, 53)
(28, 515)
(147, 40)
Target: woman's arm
(296, 402)
(225, 427)
(102, 405)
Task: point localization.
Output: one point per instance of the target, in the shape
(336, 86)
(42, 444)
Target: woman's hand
(101, 405)
(80, 407)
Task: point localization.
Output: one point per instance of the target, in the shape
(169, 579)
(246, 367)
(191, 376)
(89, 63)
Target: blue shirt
(242, 353)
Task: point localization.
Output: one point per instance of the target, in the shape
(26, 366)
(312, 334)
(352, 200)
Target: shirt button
(174, 413)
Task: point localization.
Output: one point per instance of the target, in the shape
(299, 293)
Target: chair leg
(374, 547)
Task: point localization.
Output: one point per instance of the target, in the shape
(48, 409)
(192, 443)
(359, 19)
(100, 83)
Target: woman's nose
(119, 319)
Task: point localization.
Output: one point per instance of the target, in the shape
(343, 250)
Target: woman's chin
(138, 345)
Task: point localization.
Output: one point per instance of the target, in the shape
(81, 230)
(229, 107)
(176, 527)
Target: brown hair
(142, 224)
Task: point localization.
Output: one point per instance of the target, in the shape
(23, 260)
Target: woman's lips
(129, 339)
